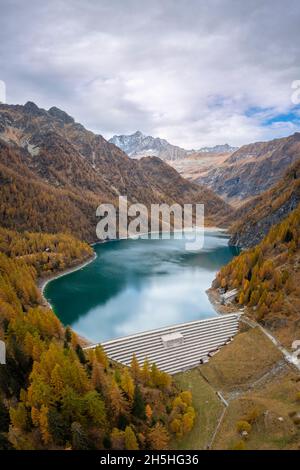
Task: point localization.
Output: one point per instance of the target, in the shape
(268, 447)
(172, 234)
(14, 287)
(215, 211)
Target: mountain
(218, 149)
(255, 218)
(139, 145)
(54, 173)
(252, 169)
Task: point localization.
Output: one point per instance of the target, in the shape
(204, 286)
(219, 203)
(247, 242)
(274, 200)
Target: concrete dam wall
(175, 348)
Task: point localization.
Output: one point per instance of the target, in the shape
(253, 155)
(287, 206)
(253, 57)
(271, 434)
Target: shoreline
(43, 282)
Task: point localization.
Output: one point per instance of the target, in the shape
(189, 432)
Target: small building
(228, 296)
(172, 340)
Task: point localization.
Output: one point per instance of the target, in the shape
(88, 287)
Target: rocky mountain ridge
(138, 145)
(54, 173)
(225, 148)
(253, 169)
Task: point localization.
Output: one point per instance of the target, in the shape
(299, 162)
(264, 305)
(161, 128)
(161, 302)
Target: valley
(198, 164)
(149, 232)
(58, 172)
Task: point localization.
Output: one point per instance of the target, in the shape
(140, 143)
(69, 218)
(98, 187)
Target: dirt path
(209, 447)
(286, 361)
(213, 296)
(290, 358)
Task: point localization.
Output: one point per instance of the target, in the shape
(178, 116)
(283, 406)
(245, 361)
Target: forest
(267, 276)
(55, 395)
(47, 253)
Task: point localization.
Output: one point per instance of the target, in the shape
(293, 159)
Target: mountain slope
(170, 184)
(267, 278)
(254, 219)
(54, 173)
(253, 169)
(198, 164)
(53, 394)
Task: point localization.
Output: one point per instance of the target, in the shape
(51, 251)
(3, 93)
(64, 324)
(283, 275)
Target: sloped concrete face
(175, 348)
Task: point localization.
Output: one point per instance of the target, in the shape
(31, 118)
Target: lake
(138, 285)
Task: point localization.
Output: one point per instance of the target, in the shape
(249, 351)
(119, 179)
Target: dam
(175, 348)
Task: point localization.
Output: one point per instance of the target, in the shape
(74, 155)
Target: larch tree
(135, 368)
(127, 384)
(130, 439)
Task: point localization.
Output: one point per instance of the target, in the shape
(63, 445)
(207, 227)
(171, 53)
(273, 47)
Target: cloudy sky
(196, 72)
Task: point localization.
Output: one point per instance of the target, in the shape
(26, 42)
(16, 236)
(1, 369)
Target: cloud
(194, 72)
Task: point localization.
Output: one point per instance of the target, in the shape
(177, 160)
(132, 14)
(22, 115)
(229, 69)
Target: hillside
(267, 278)
(47, 253)
(255, 218)
(253, 169)
(54, 173)
(53, 395)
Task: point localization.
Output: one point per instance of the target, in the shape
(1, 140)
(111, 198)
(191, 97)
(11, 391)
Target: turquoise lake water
(137, 285)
